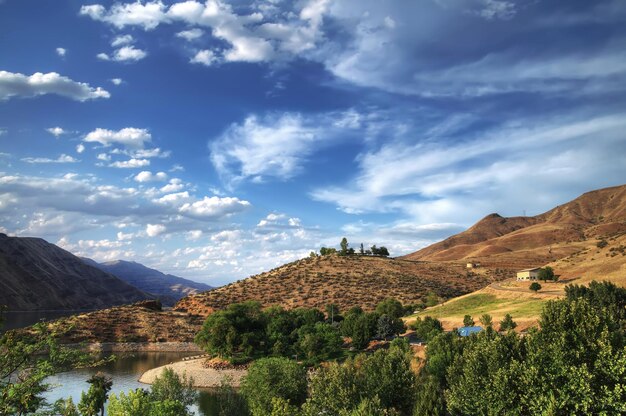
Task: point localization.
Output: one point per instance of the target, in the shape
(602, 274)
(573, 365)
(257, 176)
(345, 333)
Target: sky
(215, 140)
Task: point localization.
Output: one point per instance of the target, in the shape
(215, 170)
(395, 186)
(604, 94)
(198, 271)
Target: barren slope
(346, 281)
(534, 241)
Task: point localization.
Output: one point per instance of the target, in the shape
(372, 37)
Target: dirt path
(202, 377)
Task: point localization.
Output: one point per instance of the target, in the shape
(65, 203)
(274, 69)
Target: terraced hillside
(345, 281)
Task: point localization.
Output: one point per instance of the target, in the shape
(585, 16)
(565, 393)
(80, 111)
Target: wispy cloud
(61, 159)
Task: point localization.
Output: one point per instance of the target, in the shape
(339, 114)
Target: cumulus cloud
(117, 81)
(56, 131)
(214, 207)
(191, 34)
(130, 164)
(204, 57)
(80, 148)
(20, 85)
(61, 51)
(153, 230)
(147, 176)
(276, 145)
(147, 15)
(129, 53)
(61, 159)
(131, 137)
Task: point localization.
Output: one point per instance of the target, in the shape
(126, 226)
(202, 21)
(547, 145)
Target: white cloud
(191, 34)
(122, 40)
(104, 157)
(147, 15)
(80, 148)
(175, 185)
(147, 176)
(131, 137)
(153, 230)
(194, 235)
(117, 81)
(56, 131)
(205, 57)
(130, 164)
(214, 207)
(129, 53)
(20, 85)
(61, 159)
(103, 56)
(61, 51)
(277, 145)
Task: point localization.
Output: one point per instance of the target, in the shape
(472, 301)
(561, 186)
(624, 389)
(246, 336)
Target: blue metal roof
(466, 331)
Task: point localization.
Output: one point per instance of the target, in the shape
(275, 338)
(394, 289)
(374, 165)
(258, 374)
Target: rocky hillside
(346, 281)
(37, 275)
(166, 287)
(519, 242)
(140, 322)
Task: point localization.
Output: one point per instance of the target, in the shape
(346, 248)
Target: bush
(170, 386)
(274, 377)
(427, 328)
(535, 287)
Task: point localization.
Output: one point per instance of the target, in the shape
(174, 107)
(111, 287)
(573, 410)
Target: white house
(528, 274)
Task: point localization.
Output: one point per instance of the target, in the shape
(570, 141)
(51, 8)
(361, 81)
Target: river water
(124, 371)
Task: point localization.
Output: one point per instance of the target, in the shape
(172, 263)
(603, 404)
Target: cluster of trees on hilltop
(346, 250)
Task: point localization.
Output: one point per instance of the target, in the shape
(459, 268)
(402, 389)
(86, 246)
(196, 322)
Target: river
(124, 371)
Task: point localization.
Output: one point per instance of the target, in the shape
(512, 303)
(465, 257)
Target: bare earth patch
(203, 376)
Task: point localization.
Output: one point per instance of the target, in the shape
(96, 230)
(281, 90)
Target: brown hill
(519, 242)
(346, 281)
(140, 322)
(37, 275)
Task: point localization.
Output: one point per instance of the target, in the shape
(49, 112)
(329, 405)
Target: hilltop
(346, 281)
(37, 275)
(519, 242)
(168, 288)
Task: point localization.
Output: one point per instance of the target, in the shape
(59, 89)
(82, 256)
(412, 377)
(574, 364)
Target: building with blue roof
(466, 331)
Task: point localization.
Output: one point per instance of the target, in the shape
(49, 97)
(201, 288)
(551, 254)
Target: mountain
(166, 287)
(346, 281)
(519, 242)
(37, 275)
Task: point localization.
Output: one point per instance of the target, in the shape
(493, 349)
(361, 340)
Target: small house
(528, 274)
(470, 265)
(466, 331)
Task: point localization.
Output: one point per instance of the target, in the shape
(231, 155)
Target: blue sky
(214, 140)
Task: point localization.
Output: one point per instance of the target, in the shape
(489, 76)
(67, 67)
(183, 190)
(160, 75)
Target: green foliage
(318, 342)
(601, 295)
(468, 321)
(429, 398)
(135, 402)
(92, 402)
(535, 287)
(507, 323)
(169, 386)
(486, 321)
(324, 251)
(390, 307)
(65, 407)
(379, 251)
(546, 273)
(432, 299)
(274, 377)
(333, 313)
(344, 247)
(27, 358)
(426, 328)
(229, 400)
(388, 326)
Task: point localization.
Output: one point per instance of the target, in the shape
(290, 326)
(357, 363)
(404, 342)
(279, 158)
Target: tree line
(346, 250)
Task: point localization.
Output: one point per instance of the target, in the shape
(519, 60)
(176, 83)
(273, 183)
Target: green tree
(92, 402)
(382, 251)
(390, 307)
(135, 403)
(335, 388)
(361, 250)
(333, 312)
(486, 321)
(468, 321)
(274, 377)
(65, 407)
(389, 326)
(170, 386)
(535, 287)
(344, 246)
(318, 342)
(361, 333)
(426, 328)
(507, 323)
(546, 273)
(27, 358)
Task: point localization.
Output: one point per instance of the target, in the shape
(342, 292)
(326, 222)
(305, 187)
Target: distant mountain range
(37, 275)
(166, 287)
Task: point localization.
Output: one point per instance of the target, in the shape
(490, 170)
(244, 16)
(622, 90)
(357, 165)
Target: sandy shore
(202, 376)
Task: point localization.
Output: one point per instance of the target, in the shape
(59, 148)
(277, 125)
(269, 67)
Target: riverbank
(185, 347)
(203, 377)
